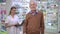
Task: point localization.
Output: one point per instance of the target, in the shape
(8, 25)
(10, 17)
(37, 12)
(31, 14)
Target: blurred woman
(11, 22)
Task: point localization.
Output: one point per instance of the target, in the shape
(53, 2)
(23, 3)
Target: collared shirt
(33, 13)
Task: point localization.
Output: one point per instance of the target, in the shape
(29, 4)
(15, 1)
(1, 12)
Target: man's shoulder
(28, 14)
(40, 12)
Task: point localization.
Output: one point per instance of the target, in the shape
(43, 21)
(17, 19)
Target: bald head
(33, 5)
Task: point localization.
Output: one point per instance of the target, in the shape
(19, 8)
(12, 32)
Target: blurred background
(50, 10)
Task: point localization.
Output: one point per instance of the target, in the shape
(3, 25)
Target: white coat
(11, 21)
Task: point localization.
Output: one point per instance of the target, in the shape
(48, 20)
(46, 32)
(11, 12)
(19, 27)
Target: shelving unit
(49, 7)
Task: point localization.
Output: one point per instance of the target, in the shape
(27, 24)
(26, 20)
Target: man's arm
(25, 25)
(42, 23)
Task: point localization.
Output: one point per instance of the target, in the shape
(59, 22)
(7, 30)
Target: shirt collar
(33, 13)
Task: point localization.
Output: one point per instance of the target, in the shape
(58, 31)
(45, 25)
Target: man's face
(33, 6)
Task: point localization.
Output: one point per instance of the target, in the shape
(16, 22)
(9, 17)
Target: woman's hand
(8, 25)
(17, 24)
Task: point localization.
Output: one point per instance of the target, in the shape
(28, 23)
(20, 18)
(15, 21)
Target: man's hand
(24, 33)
